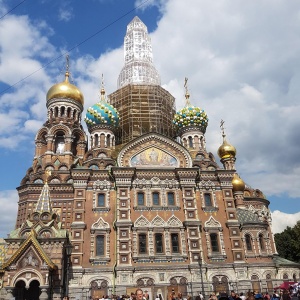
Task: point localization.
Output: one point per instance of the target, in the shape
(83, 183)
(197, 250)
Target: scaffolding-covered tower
(143, 109)
(144, 106)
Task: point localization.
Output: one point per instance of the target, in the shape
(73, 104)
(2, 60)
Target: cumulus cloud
(242, 61)
(281, 220)
(8, 204)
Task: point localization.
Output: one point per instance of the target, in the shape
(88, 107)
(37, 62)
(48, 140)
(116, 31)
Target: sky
(241, 58)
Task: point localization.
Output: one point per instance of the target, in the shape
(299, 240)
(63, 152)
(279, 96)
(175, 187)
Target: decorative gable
(154, 151)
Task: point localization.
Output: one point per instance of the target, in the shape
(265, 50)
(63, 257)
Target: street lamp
(201, 276)
(68, 249)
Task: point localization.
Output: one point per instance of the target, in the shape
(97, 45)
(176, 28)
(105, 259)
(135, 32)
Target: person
(139, 294)
(66, 298)
(232, 295)
(157, 297)
(242, 296)
(201, 296)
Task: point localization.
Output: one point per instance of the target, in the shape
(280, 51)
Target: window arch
(155, 198)
(142, 243)
(100, 245)
(214, 242)
(261, 242)
(141, 198)
(101, 200)
(207, 199)
(171, 198)
(190, 142)
(248, 241)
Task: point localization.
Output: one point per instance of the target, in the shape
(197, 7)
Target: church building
(137, 201)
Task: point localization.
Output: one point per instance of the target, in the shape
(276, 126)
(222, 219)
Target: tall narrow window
(190, 142)
(171, 200)
(214, 242)
(207, 199)
(141, 199)
(175, 243)
(101, 200)
(248, 242)
(261, 242)
(99, 245)
(159, 243)
(142, 243)
(155, 198)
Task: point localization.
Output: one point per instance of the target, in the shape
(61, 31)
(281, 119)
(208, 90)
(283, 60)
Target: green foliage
(288, 243)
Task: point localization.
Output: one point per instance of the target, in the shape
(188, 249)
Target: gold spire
(226, 150)
(48, 174)
(187, 94)
(102, 90)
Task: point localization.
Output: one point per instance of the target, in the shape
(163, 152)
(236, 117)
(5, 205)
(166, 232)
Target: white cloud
(281, 220)
(8, 204)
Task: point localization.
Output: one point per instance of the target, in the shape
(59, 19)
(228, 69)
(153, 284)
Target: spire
(187, 94)
(138, 68)
(102, 90)
(44, 202)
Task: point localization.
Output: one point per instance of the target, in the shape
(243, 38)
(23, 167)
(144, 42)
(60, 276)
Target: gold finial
(67, 74)
(187, 94)
(102, 91)
(48, 174)
(222, 128)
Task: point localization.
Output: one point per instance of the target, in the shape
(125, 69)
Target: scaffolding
(143, 109)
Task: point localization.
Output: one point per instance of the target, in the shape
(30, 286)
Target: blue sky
(241, 58)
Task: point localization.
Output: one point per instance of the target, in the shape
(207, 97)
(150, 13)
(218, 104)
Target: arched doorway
(177, 285)
(220, 284)
(255, 284)
(20, 291)
(99, 289)
(33, 292)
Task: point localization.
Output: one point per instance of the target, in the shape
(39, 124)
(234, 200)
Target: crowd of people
(277, 295)
(143, 295)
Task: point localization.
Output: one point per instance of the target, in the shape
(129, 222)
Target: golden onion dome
(238, 183)
(65, 90)
(226, 150)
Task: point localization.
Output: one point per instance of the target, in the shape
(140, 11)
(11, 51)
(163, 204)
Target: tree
(288, 243)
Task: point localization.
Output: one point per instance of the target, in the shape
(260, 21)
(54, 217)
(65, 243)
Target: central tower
(144, 106)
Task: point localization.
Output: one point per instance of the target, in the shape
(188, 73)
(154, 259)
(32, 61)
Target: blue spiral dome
(102, 113)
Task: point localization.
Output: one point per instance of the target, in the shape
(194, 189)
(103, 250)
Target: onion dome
(65, 90)
(190, 116)
(226, 150)
(102, 113)
(237, 183)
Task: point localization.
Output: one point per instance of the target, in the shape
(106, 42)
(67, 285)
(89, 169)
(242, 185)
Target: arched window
(207, 199)
(190, 142)
(214, 242)
(248, 240)
(141, 198)
(142, 243)
(261, 242)
(60, 143)
(100, 245)
(171, 200)
(96, 140)
(175, 242)
(159, 243)
(155, 198)
(101, 200)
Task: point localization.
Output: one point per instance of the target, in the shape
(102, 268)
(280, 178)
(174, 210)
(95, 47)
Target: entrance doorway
(21, 293)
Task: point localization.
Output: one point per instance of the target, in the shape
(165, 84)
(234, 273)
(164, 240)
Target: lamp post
(68, 249)
(201, 276)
